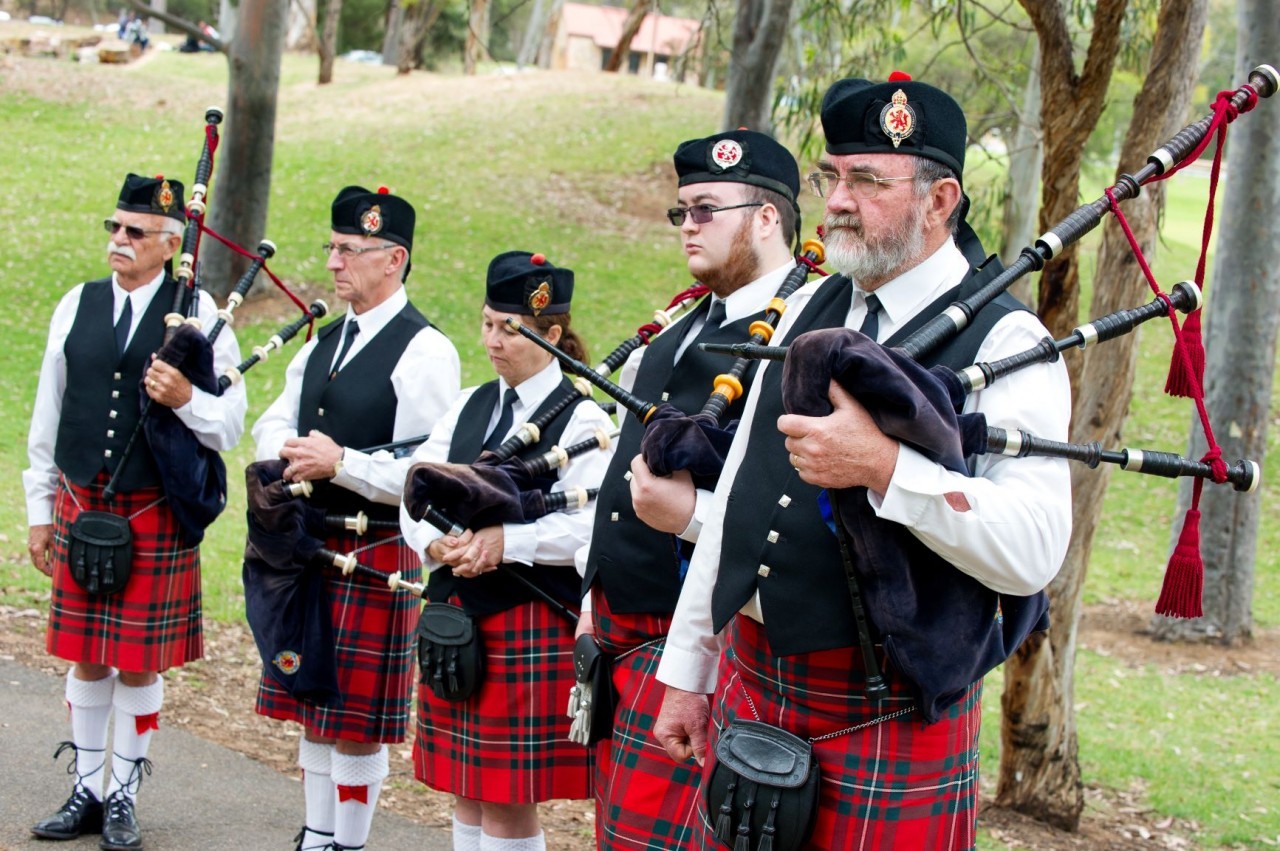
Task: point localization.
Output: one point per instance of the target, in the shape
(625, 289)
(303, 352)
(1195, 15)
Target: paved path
(202, 797)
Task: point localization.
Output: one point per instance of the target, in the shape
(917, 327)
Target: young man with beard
(768, 575)
(87, 406)
(737, 215)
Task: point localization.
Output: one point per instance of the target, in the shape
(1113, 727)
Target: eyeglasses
(346, 250)
(701, 213)
(134, 232)
(861, 185)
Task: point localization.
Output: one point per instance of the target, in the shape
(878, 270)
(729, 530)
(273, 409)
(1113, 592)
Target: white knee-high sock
(466, 837)
(316, 761)
(137, 717)
(90, 703)
(523, 843)
(358, 782)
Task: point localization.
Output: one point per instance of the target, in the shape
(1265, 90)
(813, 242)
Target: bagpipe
(695, 442)
(193, 476)
(845, 356)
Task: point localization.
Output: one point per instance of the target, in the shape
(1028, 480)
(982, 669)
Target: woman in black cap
(506, 747)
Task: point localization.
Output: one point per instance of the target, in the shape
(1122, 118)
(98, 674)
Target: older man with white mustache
(98, 363)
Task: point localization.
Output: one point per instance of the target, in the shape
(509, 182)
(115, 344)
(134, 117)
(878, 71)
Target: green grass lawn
(577, 168)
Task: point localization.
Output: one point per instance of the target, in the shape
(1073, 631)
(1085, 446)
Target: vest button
(666, 397)
(772, 537)
(116, 376)
(115, 394)
(613, 517)
(764, 570)
(320, 412)
(784, 500)
(107, 453)
(111, 414)
(111, 432)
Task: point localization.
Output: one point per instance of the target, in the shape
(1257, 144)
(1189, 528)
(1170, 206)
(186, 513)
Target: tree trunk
(1039, 767)
(532, 38)
(547, 47)
(477, 36)
(630, 27)
(392, 35)
(758, 34)
(301, 33)
(238, 199)
(1242, 301)
(329, 40)
(228, 13)
(1026, 160)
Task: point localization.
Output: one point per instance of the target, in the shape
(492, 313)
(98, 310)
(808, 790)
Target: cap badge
(287, 661)
(371, 221)
(726, 154)
(164, 196)
(540, 298)
(897, 120)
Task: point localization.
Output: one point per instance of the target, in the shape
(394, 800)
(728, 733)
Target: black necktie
(871, 322)
(122, 326)
(503, 425)
(352, 329)
(715, 318)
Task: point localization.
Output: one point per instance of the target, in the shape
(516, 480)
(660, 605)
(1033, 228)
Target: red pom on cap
(382, 190)
(899, 77)
(159, 177)
(538, 259)
(744, 128)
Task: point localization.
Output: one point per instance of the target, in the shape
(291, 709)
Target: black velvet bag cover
(941, 628)
(285, 594)
(193, 476)
(100, 551)
(473, 495)
(593, 699)
(449, 651)
(674, 440)
(763, 790)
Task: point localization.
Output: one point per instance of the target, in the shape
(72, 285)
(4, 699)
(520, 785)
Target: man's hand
(310, 457)
(842, 450)
(40, 547)
(166, 384)
(586, 625)
(681, 727)
(472, 553)
(664, 503)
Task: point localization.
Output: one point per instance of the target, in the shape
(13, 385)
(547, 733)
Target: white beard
(877, 261)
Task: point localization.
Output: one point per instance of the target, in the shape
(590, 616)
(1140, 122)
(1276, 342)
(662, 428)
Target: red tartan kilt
(509, 742)
(899, 783)
(643, 798)
(373, 630)
(154, 622)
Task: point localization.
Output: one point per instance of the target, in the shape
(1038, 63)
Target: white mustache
(844, 220)
(123, 250)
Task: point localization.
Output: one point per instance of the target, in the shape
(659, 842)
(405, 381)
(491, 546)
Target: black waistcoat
(775, 539)
(493, 592)
(638, 566)
(103, 397)
(358, 407)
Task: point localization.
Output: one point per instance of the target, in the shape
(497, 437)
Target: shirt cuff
(519, 542)
(688, 670)
(40, 513)
(701, 506)
(916, 483)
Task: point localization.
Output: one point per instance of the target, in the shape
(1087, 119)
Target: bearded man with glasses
(98, 364)
(738, 218)
(379, 374)
(766, 621)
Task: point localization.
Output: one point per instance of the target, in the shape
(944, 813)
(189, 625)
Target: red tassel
(899, 77)
(358, 793)
(143, 723)
(1182, 593)
(1180, 382)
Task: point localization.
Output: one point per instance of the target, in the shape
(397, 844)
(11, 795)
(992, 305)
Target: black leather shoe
(82, 813)
(120, 831)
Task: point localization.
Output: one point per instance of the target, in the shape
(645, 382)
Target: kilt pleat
(898, 783)
(644, 799)
(154, 622)
(509, 742)
(373, 629)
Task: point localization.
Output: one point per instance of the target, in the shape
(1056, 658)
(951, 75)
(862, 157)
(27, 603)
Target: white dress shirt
(1015, 535)
(550, 540)
(426, 380)
(216, 421)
